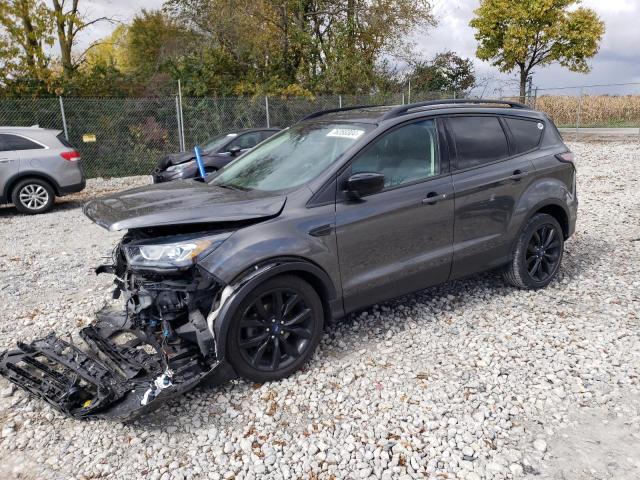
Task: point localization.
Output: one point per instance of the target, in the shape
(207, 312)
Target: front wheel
(538, 253)
(275, 329)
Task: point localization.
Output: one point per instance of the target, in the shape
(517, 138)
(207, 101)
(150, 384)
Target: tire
(541, 243)
(264, 345)
(33, 196)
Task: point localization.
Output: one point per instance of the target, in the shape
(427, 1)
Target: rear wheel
(275, 329)
(538, 253)
(32, 196)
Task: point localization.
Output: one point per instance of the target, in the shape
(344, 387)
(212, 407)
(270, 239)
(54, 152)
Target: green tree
(524, 34)
(322, 46)
(447, 72)
(69, 22)
(26, 34)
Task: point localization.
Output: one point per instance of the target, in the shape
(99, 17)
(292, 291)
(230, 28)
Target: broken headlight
(181, 166)
(165, 254)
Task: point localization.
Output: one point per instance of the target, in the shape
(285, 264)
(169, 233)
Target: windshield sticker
(345, 133)
(232, 134)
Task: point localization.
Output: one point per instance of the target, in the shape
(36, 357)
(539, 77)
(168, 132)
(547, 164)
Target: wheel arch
(13, 181)
(219, 320)
(558, 212)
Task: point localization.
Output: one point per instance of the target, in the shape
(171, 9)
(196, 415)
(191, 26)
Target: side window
(10, 142)
(248, 140)
(266, 134)
(526, 134)
(404, 155)
(4, 144)
(478, 140)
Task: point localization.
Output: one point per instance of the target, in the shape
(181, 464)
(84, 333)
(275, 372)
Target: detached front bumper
(119, 373)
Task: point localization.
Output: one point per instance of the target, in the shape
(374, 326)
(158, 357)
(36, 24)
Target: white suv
(36, 165)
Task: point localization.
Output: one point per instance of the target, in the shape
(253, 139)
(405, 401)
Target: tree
(26, 33)
(447, 72)
(69, 23)
(314, 45)
(524, 34)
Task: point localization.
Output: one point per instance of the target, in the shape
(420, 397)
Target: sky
(617, 62)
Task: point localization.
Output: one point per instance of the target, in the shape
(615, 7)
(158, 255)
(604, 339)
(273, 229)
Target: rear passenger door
(9, 160)
(489, 176)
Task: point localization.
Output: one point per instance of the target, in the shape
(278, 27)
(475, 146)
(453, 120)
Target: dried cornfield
(593, 110)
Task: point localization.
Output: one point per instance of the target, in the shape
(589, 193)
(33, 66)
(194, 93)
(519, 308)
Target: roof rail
(402, 109)
(333, 110)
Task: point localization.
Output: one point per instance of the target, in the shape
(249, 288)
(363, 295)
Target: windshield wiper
(231, 187)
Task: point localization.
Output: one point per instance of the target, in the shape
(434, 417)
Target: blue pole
(199, 161)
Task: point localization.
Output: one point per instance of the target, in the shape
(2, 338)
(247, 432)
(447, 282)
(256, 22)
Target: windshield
(291, 158)
(214, 144)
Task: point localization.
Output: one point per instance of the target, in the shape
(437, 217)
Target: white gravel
(469, 380)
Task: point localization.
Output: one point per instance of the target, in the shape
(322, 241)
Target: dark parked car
(238, 276)
(216, 153)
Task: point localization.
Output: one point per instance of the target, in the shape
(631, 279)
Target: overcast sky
(617, 62)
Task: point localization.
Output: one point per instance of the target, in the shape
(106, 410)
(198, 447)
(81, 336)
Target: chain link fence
(126, 136)
(590, 110)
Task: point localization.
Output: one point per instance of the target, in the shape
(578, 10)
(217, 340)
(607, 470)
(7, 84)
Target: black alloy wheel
(543, 253)
(276, 329)
(537, 254)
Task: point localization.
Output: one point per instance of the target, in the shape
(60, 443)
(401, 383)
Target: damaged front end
(128, 363)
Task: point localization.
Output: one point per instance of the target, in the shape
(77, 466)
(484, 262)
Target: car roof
(25, 130)
(382, 113)
(245, 130)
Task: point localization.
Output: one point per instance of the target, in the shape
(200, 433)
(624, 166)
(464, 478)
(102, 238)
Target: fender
(543, 193)
(29, 173)
(219, 320)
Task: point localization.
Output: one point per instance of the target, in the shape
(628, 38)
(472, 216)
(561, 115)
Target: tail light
(567, 157)
(71, 155)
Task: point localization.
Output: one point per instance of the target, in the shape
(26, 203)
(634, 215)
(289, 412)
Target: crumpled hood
(175, 159)
(180, 202)
(178, 158)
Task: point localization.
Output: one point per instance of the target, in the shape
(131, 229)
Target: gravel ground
(469, 380)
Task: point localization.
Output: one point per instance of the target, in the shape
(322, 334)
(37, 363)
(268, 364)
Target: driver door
(399, 240)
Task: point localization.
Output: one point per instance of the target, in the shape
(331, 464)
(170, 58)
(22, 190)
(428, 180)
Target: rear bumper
(74, 188)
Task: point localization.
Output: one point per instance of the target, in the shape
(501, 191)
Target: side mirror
(235, 151)
(365, 183)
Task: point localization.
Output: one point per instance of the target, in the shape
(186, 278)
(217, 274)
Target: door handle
(518, 174)
(433, 197)
(321, 231)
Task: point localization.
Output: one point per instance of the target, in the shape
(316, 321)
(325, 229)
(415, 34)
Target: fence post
(402, 98)
(579, 113)
(266, 107)
(409, 93)
(535, 98)
(64, 119)
(180, 141)
(181, 122)
(339, 101)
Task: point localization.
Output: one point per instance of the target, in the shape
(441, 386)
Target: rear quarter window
(11, 142)
(526, 134)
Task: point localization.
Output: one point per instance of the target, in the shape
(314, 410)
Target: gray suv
(238, 275)
(36, 165)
